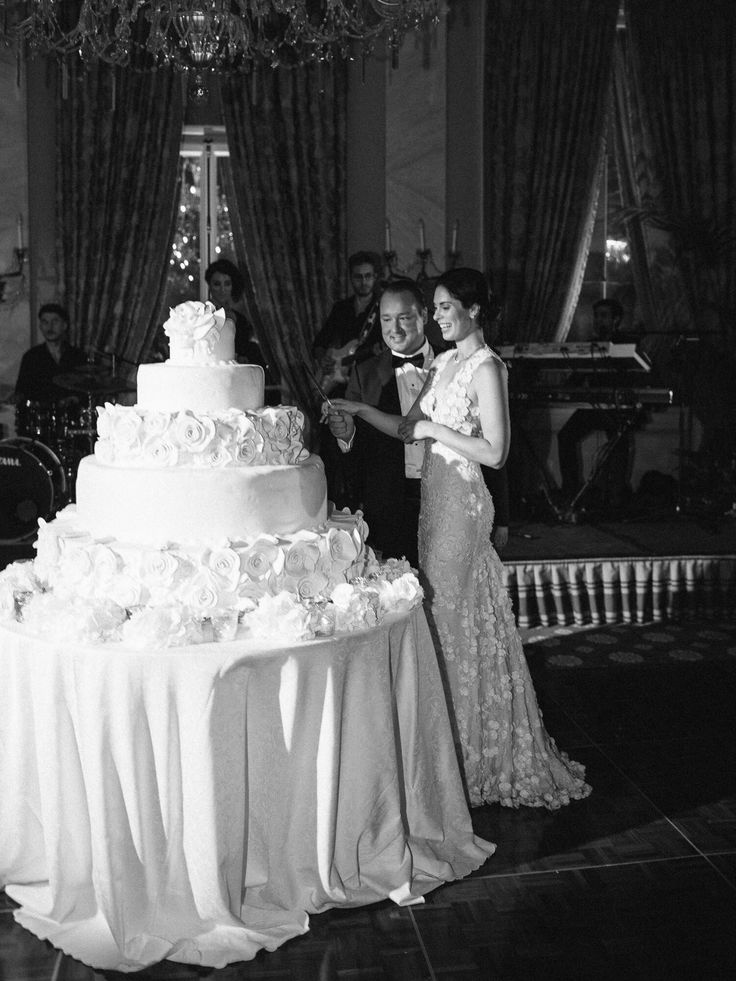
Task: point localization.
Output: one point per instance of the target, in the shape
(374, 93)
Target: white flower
(217, 456)
(249, 446)
(342, 546)
(194, 433)
(159, 569)
(262, 558)
(155, 422)
(276, 426)
(224, 563)
(301, 557)
(312, 585)
(354, 607)
(160, 452)
(203, 592)
(75, 565)
(281, 617)
(126, 426)
(399, 595)
(105, 563)
(155, 628)
(126, 591)
(193, 318)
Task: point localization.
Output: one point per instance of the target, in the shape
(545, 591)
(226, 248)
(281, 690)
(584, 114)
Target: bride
(462, 413)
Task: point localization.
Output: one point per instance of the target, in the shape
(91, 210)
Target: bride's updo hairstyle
(469, 286)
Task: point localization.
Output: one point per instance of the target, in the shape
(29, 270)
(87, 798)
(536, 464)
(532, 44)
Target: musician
(42, 362)
(389, 471)
(350, 334)
(607, 316)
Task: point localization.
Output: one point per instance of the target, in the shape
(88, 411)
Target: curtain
(681, 77)
(117, 166)
(286, 132)
(548, 70)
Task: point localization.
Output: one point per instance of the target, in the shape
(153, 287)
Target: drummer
(54, 356)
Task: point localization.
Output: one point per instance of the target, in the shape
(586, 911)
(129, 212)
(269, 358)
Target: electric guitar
(343, 357)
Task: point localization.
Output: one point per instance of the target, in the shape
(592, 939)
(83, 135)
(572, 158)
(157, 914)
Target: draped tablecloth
(197, 804)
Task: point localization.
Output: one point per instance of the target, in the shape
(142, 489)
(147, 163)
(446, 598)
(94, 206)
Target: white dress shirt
(410, 379)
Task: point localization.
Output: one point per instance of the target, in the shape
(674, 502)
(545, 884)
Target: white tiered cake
(201, 514)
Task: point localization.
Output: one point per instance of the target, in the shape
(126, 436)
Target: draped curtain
(681, 81)
(117, 166)
(548, 70)
(286, 131)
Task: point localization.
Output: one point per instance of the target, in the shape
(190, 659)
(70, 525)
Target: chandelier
(215, 35)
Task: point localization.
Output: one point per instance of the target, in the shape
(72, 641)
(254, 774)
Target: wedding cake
(201, 516)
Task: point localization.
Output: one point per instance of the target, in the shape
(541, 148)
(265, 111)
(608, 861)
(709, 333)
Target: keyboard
(604, 398)
(581, 355)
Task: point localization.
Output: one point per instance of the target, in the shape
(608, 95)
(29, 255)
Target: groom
(389, 470)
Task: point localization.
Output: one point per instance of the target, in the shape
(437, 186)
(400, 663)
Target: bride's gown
(507, 754)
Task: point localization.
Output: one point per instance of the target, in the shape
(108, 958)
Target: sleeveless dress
(507, 755)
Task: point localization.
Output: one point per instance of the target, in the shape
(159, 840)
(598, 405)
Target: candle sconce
(424, 267)
(11, 283)
(426, 262)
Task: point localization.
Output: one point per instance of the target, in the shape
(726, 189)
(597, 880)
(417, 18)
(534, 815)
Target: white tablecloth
(197, 804)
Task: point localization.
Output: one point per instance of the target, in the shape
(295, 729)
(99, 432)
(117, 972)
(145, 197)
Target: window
(203, 230)
(608, 270)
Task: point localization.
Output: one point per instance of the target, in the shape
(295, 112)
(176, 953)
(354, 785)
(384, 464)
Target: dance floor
(638, 882)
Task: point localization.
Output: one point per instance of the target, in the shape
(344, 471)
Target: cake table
(197, 804)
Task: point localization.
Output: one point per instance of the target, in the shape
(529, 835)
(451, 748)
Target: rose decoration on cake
(125, 426)
(105, 563)
(194, 432)
(158, 452)
(262, 558)
(301, 557)
(198, 334)
(224, 563)
(155, 422)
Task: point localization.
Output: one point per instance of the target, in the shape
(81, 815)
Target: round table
(198, 804)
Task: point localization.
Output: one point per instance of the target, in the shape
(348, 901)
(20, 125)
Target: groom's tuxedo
(390, 500)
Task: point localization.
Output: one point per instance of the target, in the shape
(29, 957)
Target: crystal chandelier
(216, 35)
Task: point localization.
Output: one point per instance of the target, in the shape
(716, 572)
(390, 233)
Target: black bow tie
(415, 359)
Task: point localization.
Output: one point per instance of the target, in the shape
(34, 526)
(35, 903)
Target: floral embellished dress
(507, 754)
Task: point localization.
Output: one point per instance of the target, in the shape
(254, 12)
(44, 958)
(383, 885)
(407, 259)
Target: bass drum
(32, 486)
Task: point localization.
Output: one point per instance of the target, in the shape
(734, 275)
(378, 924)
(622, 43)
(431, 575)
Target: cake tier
(201, 388)
(131, 436)
(191, 505)
(75, 563)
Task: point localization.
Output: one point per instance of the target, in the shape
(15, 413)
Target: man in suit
(389, 470)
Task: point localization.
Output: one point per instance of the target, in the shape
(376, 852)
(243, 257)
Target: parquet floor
(637, 883)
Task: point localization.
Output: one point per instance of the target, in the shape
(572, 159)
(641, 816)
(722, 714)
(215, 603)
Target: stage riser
(631, 590)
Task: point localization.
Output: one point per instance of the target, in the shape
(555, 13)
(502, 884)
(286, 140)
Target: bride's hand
(411, 430)
(343, 405)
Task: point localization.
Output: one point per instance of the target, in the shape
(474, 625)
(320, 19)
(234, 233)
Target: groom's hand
(341, 425)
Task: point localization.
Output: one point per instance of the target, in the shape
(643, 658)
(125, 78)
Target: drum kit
(38, 465)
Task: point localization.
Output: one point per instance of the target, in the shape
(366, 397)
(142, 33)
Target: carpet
(631, 645)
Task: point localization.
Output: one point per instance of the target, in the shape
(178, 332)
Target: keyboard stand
(571, 510)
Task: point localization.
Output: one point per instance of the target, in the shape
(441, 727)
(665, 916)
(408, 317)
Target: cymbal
(93, 380)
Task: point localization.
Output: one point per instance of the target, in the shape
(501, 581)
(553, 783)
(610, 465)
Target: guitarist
(350, 334)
